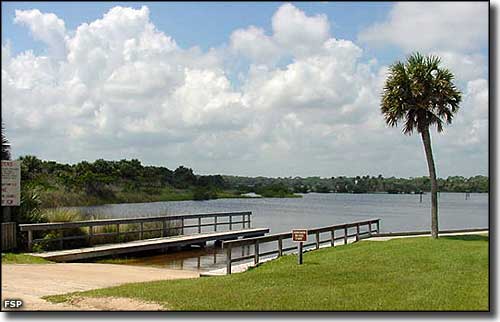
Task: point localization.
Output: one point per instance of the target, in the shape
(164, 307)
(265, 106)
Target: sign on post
(11, 183)
(299, 235)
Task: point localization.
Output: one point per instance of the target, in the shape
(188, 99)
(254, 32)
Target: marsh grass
(128, 232)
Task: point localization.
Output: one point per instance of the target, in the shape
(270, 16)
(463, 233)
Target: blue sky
(276, 89)
(211, 23)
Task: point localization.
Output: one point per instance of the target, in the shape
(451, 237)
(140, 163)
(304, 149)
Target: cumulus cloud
(46, 27)
(253, 43)
(294, 34)
(125, 89)
(300, 33)
(432, 26)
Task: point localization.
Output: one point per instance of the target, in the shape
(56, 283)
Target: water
(397, 213)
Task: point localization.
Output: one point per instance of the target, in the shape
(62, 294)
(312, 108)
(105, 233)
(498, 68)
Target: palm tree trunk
(426, 138)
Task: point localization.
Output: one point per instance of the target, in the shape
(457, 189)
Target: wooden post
(91, 234)
(256, 252)
(300, 254)
(378, 226)
(215, 223)
(230, 222)
(30, 240)
(249, 225)
(317, 240)
(357, 232)
(280, 247)
(141, 232)
(199, 225)
(243, 220)
(182, 226)
(228, 259)
(332, 233)
(345, 235)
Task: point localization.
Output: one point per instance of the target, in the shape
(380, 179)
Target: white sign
(11, 183)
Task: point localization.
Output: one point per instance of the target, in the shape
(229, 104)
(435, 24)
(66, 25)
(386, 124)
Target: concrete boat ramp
(148, 244)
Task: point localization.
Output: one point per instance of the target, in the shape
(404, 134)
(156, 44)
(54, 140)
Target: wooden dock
(148, 244)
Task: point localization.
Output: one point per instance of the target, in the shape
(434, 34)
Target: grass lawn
(11, 258)
(400, 274)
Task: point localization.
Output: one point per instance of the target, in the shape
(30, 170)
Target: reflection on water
(193, 259)
(397, 213)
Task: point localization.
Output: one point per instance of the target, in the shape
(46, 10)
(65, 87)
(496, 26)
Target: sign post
(299, 235)
(11, 183)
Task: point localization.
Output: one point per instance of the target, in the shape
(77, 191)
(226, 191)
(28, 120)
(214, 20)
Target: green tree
(31, 166)
(421, 93)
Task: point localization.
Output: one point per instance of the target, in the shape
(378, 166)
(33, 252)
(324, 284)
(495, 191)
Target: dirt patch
(31, 282)
(113, 304)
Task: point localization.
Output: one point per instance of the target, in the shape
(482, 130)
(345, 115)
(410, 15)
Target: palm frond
(419, 93)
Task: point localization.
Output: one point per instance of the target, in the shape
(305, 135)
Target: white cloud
(45, 27)
(294, 34)
(126, 89)
(253, 43)
(300, 33)
(464, 66)
(431, 26)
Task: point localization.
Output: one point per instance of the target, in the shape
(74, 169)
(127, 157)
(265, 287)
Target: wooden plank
(30, 240)
(105, 222)
(256, 252)
(9, 241)
(146, 244)
(228, 260)
(274, 237)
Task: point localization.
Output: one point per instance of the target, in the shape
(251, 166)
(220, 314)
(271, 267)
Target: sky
(274, 89)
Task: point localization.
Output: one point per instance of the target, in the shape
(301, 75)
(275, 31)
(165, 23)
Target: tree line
(360, 184)
(103, 178)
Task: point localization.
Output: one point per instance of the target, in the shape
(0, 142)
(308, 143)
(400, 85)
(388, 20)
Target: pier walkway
(147, 245)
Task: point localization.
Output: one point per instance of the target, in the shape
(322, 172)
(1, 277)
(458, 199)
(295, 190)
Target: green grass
(11, 258)
(401, 274)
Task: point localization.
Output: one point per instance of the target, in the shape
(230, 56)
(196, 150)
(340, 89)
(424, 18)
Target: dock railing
(256, 242)
(186, 221)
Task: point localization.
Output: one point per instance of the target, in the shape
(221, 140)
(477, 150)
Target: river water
(397, 213)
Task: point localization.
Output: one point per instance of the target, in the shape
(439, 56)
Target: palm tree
(5, 146)
(420, 94)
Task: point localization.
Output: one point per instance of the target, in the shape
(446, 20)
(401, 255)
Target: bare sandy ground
(30, 282)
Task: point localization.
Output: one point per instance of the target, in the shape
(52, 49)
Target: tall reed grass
(102, 234)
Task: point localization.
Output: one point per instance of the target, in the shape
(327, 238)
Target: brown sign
(299, 235)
